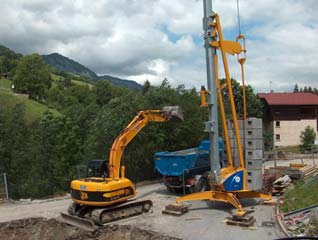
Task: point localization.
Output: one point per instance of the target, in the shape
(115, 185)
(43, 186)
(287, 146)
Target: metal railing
(293, 152)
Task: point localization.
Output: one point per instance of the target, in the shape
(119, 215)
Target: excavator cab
(97, 168)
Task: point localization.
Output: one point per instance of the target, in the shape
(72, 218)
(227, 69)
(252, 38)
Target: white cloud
(143, 39)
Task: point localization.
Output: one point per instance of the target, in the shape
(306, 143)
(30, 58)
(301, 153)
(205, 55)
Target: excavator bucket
(173, 112)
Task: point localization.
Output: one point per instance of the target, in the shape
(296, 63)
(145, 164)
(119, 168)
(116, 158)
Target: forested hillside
(79, 122)
(68, 65)
(65, 64)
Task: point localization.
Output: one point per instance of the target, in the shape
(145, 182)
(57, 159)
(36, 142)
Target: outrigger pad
(173, 112)
(243, 221)
(269, 202)
(175, 209)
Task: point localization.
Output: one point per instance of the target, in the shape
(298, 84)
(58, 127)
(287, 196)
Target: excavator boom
(133, 128)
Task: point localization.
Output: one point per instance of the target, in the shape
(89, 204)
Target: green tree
(16, 151)
(32, 76)
(307, 137)
(4, 64)
(253, 104)
(268, 140)
(103, 91)
(8, 60)
(67, 81)
(310, 89)
(296, 88)
(81, 94)
(146, 87)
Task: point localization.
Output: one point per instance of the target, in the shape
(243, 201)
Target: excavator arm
(132, 129)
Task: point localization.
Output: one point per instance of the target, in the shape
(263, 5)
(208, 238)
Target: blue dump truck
(187, 168)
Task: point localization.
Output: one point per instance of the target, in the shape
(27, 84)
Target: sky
(156, 39)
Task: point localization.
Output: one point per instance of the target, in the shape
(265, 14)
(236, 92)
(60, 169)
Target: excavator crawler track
(115, 213)
(104, 216)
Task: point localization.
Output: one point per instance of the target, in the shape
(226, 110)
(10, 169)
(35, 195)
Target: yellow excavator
(102, 200)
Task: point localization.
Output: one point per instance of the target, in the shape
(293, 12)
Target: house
(5, 75)
(286, 115)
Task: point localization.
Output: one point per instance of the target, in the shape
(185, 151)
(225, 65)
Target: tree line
(306, 89)
(40, 158)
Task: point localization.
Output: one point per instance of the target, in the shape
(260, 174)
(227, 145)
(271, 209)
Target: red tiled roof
(289, 98)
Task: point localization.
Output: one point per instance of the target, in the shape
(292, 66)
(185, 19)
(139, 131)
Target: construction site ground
(205, 220)
(39, 219)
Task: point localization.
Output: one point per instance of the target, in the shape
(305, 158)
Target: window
(277, 124)
(277, 137)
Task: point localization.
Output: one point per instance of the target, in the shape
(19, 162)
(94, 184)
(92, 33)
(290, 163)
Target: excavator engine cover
(173, 113)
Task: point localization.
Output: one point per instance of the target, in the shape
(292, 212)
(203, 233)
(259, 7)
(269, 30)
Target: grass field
(82, 83)
(34, 110)
(293, 149)
(57, 78)
(5, 83)
(302, 195)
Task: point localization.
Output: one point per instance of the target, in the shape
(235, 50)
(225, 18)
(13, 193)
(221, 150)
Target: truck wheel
(201, 185)
(171, 189)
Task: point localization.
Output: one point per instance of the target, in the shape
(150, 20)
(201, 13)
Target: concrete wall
(289, 131)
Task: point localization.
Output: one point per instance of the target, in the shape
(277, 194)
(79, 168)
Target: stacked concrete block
(254, 149)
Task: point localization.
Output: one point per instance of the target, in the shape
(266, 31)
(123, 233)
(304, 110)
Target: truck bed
(176, 163)
(179, 162)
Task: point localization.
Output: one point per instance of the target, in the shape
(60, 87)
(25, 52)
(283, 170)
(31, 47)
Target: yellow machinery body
(102, 192)
(95, 196)
(223, 190)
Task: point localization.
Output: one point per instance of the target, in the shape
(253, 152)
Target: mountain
(121, 82)
(7, 52)
(68, 65)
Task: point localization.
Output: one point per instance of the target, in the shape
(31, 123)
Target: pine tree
(307, 137)
(146, 87)
(309, 89)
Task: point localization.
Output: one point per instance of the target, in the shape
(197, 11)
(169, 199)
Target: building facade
(286, 115)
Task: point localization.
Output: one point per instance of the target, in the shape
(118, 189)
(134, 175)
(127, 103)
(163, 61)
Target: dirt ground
(40, 228)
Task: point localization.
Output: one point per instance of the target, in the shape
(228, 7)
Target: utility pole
(212, 125)
(6, 186)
